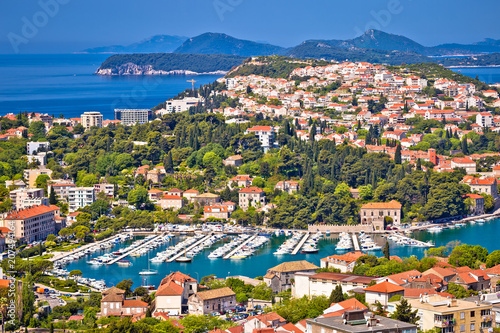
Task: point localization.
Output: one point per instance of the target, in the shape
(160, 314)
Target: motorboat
(124, 263)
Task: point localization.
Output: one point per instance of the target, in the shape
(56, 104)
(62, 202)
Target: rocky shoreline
(133, 69)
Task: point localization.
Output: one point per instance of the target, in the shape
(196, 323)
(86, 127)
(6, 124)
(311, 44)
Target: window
(472, 314)
(462, 328)
(472, 327)
(462, 315)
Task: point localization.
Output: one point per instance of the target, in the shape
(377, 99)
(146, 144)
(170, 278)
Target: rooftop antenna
(192, 84)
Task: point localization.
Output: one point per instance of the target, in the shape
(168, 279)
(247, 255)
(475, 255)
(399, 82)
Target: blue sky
(78, 24)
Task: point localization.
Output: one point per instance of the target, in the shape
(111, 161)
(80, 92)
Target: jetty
(355, 242)
(120, 257)
(248, 240)
(301, 243)
(195, 244)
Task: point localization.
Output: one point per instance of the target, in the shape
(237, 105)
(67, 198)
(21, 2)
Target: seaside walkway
(195, 244)
(300, 244)
(120, 257)
(248, 240)
(355, 241)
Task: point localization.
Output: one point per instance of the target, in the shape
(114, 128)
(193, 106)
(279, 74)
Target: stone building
(210, 301)
(374, 213)
(280, 278)
(251, 196)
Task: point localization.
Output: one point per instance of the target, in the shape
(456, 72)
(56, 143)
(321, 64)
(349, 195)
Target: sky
(56, 26)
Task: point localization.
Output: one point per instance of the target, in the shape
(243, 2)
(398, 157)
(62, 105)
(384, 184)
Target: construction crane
(192, 84)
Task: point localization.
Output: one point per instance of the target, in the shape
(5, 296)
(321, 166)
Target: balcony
(444, 323)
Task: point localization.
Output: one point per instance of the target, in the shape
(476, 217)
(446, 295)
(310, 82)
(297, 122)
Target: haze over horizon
(57, 26)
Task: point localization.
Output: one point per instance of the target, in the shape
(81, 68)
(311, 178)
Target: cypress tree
(419, 164)
(169, 163)
(397, 155)
(465, 149)
(386, 252)
(52, 196)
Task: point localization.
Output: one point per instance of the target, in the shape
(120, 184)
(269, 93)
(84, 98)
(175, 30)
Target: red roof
(251, 189)
(171, 197)
(29, 212)
(385, 287)
(170, 289)
(134, 303)
(260, 128)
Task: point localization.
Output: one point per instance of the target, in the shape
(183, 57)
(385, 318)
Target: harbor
(209, 258)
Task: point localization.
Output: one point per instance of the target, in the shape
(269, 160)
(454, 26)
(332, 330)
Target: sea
(65, 84)
(264, 258)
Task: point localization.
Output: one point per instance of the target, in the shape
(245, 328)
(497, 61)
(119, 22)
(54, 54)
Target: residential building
(173, 293)
(382, 292)
(181, 105)
(465, 163)
(171, 201)
(190, 194)
(279, 278)
(450, 314)
(375, 213)
(114, 303)
(484, 119)
(349, 304)
(106, 188)
(477, 204)
(39, 158)
(444, 273)
(240, 181)
(31, 224)
(288, 186)
(344, 262)
(61, 189)
(91, 119)
(265, 134)
(216, 211)
(207, 199)
(317, 284)
(31, 174)
(34, 147)
(80, 197)
(357, 321)
(71, 218)
(18, 197)
(155, 194)
(215, 300)
(235, 161)
(264, 321)
(251, 196)
(133, 116)
(476, 280)
(175, 191)
(486, 185)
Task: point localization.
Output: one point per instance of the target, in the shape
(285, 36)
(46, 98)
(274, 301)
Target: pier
(248, 240)
(120, 257)
(300, 244)
(200, 241)
(355, 242)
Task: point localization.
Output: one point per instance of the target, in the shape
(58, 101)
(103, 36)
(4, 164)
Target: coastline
(490, 66)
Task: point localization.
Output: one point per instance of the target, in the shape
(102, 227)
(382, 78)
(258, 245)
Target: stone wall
(340, 228)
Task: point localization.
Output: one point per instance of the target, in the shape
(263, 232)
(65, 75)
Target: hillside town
(344, 149)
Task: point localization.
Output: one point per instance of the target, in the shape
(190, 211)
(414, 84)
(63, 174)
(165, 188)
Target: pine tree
(337, 295)
(52, 196)
(404, 312)
(386, 252)
(397, 155)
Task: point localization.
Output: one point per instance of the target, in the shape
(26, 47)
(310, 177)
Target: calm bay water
(485, 74)
(257, 265)
(64, 83)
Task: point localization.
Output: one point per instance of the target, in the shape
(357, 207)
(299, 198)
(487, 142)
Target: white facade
(91, 119)
(80, 197)
(180, 105)
(484, 119)
(32, 147)
(265, 135)
(19, 196)
(132, 116)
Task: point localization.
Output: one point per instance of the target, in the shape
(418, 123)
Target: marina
(301, 242)
(277, 250)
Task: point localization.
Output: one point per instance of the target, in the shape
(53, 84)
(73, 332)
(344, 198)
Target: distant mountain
(217, 43)
(486, 46)
(329, 50)
(379, 40)
(155, 44)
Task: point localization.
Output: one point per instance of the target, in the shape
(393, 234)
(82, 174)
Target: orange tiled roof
(382, 205)
(29, 212)
(385, 287)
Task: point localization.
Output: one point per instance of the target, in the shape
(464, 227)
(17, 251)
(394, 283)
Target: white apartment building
(32, 147)
(91, 119)
(132, 116)
(80, 197)
(40, 158)
(19, 196)
(61, 189)
(265, 134)
(484, 119)
(180, 105)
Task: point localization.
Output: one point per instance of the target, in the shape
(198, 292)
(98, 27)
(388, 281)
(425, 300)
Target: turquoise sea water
(65, 83)
(485, 74)
(485, 235)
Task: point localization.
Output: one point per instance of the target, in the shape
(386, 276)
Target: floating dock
(195, 244)
(245, 242)
(120, 257)
(355, 242)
